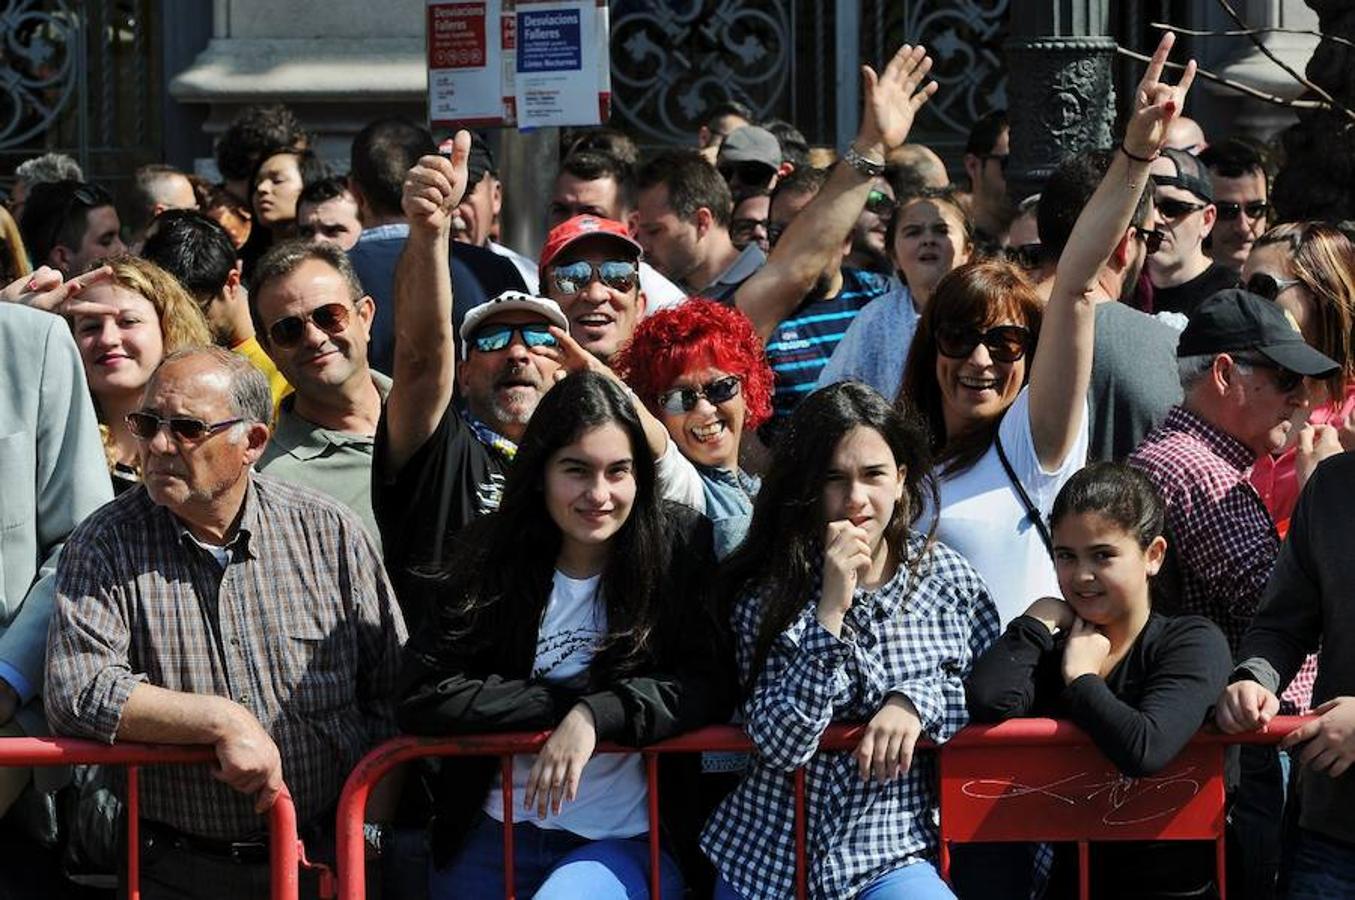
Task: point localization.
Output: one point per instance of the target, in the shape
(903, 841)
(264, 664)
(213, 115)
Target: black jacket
(485, 685)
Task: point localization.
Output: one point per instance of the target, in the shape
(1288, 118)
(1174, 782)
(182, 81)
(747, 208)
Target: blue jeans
(1322, 868)
(551, 865)
(916, 881)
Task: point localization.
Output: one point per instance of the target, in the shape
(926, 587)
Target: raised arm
(816, 235)
(1061, 370)
(425, 348)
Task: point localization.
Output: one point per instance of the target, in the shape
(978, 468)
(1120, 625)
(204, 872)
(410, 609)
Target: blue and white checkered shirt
(916, 635)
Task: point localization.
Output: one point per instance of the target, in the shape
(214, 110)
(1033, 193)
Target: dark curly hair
(690, 335)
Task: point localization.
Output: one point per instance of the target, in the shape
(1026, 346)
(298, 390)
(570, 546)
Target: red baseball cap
(580, 227)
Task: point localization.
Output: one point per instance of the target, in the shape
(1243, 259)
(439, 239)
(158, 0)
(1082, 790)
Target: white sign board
(470, 63)
(563, 63)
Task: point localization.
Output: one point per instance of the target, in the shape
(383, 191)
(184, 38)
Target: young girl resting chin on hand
(1138, 682)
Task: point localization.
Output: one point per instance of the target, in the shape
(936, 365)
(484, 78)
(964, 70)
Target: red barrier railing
(996, 783)
(285, 854)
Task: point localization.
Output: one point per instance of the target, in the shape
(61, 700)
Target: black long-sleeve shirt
(1140, 716)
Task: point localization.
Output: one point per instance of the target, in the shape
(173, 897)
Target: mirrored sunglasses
(679, 400)
(617, 274)
(331, 318)
(1005, 343)
(496, 337)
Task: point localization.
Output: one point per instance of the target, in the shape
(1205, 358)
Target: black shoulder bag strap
(1032, 511)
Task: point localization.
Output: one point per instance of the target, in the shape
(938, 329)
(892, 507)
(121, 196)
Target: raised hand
(45, 289)
(1156, 103)
(435, 186)
(892, 98)
(1315, 443)
(846, 557)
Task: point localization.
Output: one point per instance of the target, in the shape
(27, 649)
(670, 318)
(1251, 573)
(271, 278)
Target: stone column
(1060, 84)
(1318, 180)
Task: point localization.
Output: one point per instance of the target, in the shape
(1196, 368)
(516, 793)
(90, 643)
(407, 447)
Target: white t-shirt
(983, 518)
(613, 794)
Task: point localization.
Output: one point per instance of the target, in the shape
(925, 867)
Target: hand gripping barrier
(285, 854)
(998, 783)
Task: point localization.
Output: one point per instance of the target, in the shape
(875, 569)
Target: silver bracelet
(863, 164)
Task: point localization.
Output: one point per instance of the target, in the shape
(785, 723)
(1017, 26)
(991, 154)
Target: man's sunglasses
(1152, 239)
(746, 229)
(492, 338)
(1027, 256)
(331, 318)
(1005, 343)
(146, 425)
(1175, 209)
(1286, 380)
(747, 173)
(679, 400)
(1263, 284)
(1254, 210)
(880, 203)
(617, 274)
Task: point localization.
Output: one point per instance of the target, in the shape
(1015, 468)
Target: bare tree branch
(1190, 32)
(1266, 51)
(1234, 85)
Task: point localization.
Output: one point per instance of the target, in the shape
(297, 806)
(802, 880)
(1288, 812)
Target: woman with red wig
(700, 369)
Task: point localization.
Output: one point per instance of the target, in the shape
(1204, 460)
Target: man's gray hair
(285, 258)
(48, 168)
(1192, 369)
(250, 395)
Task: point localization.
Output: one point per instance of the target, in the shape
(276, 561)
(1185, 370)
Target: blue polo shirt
(800, 346)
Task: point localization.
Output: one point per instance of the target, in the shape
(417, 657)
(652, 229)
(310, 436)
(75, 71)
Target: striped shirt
(300, 627)
(917, 635)
(800, 346)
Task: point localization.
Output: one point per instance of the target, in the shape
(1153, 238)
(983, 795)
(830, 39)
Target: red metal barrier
(996, 782)
(286, 854)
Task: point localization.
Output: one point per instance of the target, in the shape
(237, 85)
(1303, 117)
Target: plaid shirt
(1224, 539)
(916, 636)
(300, 627)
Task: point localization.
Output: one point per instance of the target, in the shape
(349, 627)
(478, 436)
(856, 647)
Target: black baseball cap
(1191, 175)
(1234, 320)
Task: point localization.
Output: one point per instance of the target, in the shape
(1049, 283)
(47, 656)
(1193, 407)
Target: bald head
(1186, 134)
(926, 167)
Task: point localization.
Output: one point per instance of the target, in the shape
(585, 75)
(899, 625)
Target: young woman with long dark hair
(580, 606)
(842, 611)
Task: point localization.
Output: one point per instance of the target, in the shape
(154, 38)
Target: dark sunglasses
(1152, 238)
(1228, 211)
(880, 203)
(747, 173)
(617, 274)
(1263, 284)
(495, 337)
(1005, 343)
(146, 425)
(1175, 209)
(1000, 157)
(331, 318)
(683, 399)
(1286, 380)
(1027, 256)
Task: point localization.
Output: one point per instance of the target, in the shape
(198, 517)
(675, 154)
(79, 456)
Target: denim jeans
(551, 865)
(916, 881)
(1322, 868)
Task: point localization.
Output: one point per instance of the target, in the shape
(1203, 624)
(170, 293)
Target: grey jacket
(52, 475)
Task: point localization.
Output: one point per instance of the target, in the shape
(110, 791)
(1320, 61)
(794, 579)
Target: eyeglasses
(1263, 284)
(1286, 380)
(683, 399)
(1175, 209)
(746, 229)
(1005, 343)
(880, 203)
(1152, 238)
(1001, 159)
(617, 274)
(146, 425)
(747, 172)
(1228, 211)
(495, 337)
(331, 318)
(1027, 256)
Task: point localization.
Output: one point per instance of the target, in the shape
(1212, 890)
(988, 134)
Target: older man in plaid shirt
(1244, 371)
(215, 606)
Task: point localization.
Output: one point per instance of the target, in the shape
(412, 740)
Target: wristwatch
(863, 164)
(374, 835)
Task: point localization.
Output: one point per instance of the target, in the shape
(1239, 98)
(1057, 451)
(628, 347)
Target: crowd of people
(296, 462)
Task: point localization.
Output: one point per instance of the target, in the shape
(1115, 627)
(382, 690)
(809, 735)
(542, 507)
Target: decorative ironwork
(673, 61)
(965, 40)
(38, 67)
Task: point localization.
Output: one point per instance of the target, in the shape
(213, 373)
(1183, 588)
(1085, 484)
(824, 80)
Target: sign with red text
(563, 63)
(470, 63)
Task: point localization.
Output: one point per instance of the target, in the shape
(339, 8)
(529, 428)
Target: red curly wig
(693, 335)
